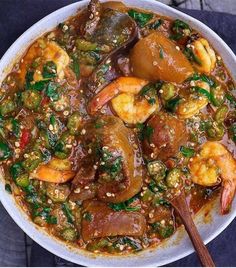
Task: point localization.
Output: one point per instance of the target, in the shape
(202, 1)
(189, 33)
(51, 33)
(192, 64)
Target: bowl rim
(20, 218)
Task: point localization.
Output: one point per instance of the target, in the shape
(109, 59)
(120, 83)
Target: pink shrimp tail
(103, 97)
(227, 196)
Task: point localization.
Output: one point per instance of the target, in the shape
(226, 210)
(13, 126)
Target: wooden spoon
(180, 205)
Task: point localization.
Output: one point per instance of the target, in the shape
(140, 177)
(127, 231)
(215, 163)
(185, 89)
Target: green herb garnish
(87, 216)
(178, 28)
(161, 53)
(141, 18)
(75, 67)
(172, 104)
(8, 188)
(191, 56)
(51, 91)
(67, 211)
(187, 152)
(124, 205)
(49, 70)
(156, 24)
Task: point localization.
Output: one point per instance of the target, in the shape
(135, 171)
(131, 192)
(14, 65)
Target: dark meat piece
(82, 193)
(169, 133)
(85, 174)
(100, 221)
(93, 15)
(118, 141)
(118, 31)
(83, 187)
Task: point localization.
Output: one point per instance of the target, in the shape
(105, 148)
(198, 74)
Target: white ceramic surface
(179, 245)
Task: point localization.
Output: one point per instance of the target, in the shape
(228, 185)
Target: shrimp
(123, 93)
(39, 53)
(56, 171)
(212, 165)
(194, 103)
(205, 54)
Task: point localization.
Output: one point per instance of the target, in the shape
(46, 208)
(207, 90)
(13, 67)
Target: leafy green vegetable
(204, 78)
(134, 244)
(156, 24)
(178, 29)
(45, 213)
(124, 205)
(15, 127)
(61, 151)
(52, 91)
(16, 169)
(75, 67)
(5, 151)
(49, 70)
(29, 77)
(186, 151)
(39, 85)
(157, 186)
(151, 88)
(51, 219)
(203, 92)
(109, 165)
(172, 103)
(141, 18)
(145, 132)
(162, 202)
(164, 231)
(191, 56)
(87, 216)
(67, 211)
(8, 188)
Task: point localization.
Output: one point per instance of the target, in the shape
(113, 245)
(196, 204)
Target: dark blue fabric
(18, 15)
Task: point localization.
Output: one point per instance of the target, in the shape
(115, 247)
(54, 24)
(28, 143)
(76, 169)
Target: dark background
(15, 248)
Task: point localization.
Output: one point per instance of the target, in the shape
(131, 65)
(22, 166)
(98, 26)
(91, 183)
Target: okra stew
(108, 117)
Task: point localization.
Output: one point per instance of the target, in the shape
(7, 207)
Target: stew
(108, 116)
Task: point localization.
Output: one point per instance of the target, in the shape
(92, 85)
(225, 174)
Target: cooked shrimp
(213, 164)
(123, 93)
(57, 171)
(194, 103)
(205, 54)
(41, 52)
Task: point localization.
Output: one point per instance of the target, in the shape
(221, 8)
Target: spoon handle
(181, 206)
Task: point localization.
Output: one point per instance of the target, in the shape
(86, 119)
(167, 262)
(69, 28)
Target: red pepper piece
(25, 138)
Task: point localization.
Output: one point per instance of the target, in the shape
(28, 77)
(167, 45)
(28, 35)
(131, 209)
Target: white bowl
(179, 245)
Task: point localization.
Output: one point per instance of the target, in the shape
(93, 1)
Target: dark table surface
(16, 17)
